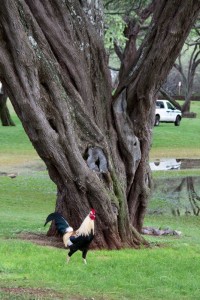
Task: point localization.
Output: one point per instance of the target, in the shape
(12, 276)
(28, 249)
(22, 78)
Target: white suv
(166, 112)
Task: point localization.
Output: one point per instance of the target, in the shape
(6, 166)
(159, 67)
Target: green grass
(14, 139)
(176, 173)
(16, 148)
(25, 202)
(170, 269)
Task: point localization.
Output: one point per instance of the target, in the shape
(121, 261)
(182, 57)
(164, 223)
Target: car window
(160, 104)
(170, 106)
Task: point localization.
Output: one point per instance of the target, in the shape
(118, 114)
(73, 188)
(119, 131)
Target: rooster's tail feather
(61, 224)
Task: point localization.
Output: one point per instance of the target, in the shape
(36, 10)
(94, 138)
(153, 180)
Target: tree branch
(171, 99)
(118, 51)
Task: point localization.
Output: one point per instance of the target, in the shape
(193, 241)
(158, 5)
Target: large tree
(96, 147)
(5, 117)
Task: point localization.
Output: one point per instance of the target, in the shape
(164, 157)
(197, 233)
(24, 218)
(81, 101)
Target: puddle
(176, 196)
(174, 164)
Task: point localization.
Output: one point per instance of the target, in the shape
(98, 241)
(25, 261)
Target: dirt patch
(31, 293)
(26, 166)
(42, 239)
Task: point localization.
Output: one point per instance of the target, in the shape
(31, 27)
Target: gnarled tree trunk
(95, 147)
(5, 117)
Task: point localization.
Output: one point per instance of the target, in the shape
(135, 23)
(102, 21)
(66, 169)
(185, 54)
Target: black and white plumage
(61, 224)
(75, 240)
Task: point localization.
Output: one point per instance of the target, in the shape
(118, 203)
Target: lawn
(16, 149)
(169, 269)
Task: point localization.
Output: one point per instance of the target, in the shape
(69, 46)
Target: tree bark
(170, 98)
(169, 28)
(5, 117)
(95, 147)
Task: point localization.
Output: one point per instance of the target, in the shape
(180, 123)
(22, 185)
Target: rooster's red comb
(92, 214)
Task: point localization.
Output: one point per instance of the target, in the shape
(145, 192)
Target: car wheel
(157, 120)
(177, 121)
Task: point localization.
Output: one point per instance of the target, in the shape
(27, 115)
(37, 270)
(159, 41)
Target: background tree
(124, 31)
(126, 24)
(188, 73)
(185, 72)
(96, 147)
(119, 15)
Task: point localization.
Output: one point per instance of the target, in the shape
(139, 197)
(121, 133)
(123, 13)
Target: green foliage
(117, 16)
(193, 36)
(114, 32)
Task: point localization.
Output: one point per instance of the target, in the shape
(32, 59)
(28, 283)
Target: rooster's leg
(68, 259)
(84, 253)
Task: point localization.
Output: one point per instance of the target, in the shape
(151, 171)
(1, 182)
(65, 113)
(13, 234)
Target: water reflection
(174, 164)
(177, 196)
(165, 164)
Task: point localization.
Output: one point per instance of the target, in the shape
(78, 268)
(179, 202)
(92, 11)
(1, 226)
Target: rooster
(75, 240)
